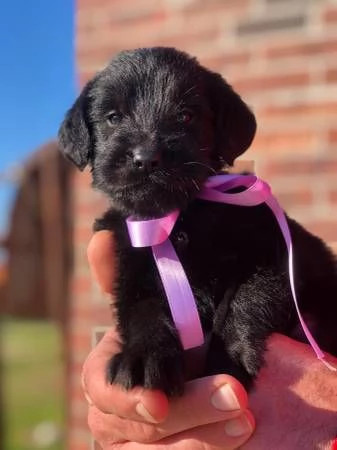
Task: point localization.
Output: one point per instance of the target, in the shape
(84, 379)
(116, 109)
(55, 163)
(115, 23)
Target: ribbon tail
(328, 365)
(179, 294)
(283, 224)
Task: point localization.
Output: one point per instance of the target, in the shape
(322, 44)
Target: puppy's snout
(143, 160)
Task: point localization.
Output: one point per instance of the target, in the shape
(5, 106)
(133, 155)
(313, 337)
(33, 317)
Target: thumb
(101, 257)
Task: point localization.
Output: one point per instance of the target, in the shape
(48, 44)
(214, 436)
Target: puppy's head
(153, 125)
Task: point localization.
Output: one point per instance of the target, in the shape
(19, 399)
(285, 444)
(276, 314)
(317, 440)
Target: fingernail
(143, 412)
(225, 399)
(238, 427)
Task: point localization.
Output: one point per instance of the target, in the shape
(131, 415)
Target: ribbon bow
(156, 232)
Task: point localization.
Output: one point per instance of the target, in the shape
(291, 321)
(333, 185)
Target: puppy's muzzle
(146, 160)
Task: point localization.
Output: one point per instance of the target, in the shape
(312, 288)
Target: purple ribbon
(156, 232)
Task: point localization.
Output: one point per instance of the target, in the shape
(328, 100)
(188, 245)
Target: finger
(206, 401)
(101, 256)
(227, 435)
(136, 404)
(105, 428)
(223, 435)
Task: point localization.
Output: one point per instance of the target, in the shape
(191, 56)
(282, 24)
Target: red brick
(81, 284)
(89, 313)
(325, 229)
(77, 443)
(285, 142)
(83, 5)
(95, 58)
(118, 37)
(216, 6)
(82, 341)
(271, 82)
(226, 59)
(303, 49)
(301, 197)
(84, 77)
(305, 166)
(76, 368)
(330, 15)
(83, 233)
(88, 208)
(77, 394)
(80, 422)
(191, 41)
(331, 76)
(82, 309)
(290, 112)
(99, 35)
(332, 136)
(332, 195)
(196, 16)
(103, 316)
(101, 50)
(80, 179)
(89, 6)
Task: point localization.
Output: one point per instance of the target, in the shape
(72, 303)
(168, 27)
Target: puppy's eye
(185, 116)
(112, 118)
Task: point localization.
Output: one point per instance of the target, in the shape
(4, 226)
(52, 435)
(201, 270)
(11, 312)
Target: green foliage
(32, 382)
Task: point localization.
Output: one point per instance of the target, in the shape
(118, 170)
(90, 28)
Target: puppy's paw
(152, 371)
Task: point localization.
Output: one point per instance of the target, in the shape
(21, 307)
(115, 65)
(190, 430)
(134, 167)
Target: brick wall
(281, 55)
(88, 309)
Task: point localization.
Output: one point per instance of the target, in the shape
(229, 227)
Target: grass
(32, 383)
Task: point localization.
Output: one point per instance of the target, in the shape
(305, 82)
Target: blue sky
(37, 79)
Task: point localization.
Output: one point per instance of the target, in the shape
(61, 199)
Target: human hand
(294, 399)
(211, 415)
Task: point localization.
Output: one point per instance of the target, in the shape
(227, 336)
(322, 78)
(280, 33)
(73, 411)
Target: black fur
(153, 126)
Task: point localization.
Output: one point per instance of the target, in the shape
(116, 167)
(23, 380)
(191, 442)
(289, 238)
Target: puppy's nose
(146, 161)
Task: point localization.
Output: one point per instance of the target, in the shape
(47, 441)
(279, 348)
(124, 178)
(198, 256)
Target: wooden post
(52, 228)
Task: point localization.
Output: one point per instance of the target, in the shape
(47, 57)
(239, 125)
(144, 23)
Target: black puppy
(153, 125)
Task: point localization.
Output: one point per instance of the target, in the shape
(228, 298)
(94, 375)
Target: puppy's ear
(74, 134)
(235, 124)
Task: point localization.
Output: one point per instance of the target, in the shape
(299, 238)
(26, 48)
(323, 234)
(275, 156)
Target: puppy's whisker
(195, 184)
(201, 164)
(186, 93)
(189, 90)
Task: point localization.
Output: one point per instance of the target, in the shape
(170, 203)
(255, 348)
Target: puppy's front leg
(260, 306)
(151, 352)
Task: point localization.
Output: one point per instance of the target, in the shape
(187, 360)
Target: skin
(293, 389)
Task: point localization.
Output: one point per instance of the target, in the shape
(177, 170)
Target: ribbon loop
(145, 233)
(256, 191)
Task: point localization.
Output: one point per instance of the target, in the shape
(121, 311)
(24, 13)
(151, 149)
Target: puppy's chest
(209, 250)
